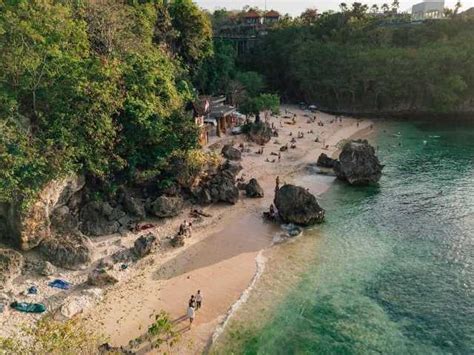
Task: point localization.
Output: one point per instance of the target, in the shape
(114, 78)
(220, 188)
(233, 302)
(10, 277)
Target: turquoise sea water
(395, 271)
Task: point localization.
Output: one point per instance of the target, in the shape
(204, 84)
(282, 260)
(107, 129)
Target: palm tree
(385, 8)
(395, 5)
(374, 8)
(343, 7)
(457, 7)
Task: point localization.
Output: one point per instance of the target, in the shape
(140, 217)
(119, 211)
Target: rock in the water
(326, 162)
(231, 153)
(253, 189)
(165, 206)
(99, 218)
(47, 269)
(144, 245)
(69, 251)
(296, 205)
(11, 263)
(101, 278)
(358, 164)
(28, 227)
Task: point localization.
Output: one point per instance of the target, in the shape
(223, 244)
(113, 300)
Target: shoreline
(221, 257)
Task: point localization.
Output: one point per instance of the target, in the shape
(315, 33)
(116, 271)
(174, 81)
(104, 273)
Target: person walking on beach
(191, 313)
(198, 299)
(192, 301)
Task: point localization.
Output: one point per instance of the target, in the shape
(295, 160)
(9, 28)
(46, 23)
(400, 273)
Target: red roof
(252, 14)
(272, 13)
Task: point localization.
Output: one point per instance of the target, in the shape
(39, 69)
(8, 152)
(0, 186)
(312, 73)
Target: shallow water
(393, 271)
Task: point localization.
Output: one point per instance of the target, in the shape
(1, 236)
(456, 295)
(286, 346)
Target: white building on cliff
(428, 9)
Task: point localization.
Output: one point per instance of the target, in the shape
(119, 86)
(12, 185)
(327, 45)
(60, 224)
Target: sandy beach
(224, 254)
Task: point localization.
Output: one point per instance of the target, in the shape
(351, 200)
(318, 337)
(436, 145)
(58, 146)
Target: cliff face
(27, 228)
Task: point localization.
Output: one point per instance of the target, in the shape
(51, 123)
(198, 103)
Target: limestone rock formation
(326, 162)
(100, 218)
(221, 186)
(11, 264)
(260, 133)
(253, 189)
(231, 153)
(358, 164)
(134, 206)
(46, 269)
(296, 205)
(69, 251)
(100, 278)
(144, 245)
(28, 227)
(165, 206)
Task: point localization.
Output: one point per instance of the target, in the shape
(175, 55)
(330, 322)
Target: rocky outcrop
(100, 278)
(28, 227)
(358, 164)
(260, 133)
(253, 189)
(178, 241)
(79, 303)
(325, 162)
(231, 153)
(69, 251)
(165, 206)
(134, 206)
(296, 205)
(100, 218)
(221, 186)
(144, 245)
(46, 268)
(11, 264)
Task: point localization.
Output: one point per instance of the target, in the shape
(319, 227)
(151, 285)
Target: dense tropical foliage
(359, 60)
(95, 86)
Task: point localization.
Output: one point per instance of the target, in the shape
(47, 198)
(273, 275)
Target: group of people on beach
(194, 303)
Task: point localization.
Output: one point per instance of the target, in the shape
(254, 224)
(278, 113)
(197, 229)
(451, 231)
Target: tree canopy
(95, 87)
(358, 61)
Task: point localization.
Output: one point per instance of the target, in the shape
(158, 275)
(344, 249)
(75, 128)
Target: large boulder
(231, 153)
(260, 133)
(11, 264)
(358, 164)
(144, 245)
(100, 218)
(167, 206)
(297, 205)
(100, 278)
(134, 206)
(253, 189)
(27, 227)
(70, 251)
(221, 186)
(325, 162)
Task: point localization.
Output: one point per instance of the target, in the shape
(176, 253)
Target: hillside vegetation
(356, 61)
(96, 87)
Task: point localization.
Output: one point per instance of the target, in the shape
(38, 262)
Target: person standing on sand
(191, 314)
(198, 299)
(192, 302)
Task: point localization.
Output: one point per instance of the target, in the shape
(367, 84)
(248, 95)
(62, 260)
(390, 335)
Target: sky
(295, 7)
